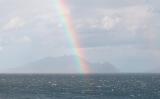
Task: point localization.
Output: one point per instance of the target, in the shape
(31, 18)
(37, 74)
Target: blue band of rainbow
(72, 35)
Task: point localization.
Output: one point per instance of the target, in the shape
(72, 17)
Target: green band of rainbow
(72, 35)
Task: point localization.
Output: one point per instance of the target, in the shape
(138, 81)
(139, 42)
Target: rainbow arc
(67, 21)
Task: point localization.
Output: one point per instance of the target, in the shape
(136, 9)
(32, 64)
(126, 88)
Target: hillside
(64, 64)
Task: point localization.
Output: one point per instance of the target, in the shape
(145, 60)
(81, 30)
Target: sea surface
(74, 86)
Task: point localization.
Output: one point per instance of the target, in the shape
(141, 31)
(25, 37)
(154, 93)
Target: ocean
(74, 86)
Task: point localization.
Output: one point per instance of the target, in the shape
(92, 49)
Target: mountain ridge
(63, 64)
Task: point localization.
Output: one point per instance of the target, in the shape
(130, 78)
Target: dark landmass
(63, 64)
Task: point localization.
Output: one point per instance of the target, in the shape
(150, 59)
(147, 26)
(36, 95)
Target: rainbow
(72, 35)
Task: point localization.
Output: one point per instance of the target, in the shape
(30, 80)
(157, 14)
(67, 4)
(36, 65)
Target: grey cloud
(116, 30)
(105, 3)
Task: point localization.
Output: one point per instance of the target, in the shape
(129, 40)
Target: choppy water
(111, 86)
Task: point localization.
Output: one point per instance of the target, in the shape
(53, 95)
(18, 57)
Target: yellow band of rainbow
(72, 35)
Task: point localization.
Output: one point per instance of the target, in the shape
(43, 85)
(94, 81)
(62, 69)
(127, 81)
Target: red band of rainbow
(72, 35)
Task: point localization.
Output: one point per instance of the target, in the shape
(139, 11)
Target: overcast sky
(123, 32)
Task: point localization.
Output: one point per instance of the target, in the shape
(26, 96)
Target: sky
(124, 33)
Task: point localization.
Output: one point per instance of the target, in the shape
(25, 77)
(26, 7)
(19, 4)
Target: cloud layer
(125, 32)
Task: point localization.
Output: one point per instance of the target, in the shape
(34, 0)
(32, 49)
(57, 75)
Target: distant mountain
(64, 64)
(156, 69)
